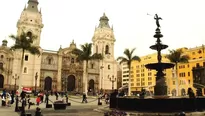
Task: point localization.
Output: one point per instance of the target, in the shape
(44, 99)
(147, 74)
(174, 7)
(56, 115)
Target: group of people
(7, 98)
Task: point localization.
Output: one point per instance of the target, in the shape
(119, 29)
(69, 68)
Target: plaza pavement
(76, 109)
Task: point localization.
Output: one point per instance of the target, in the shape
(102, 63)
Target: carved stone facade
(49, 70)
(71, 71)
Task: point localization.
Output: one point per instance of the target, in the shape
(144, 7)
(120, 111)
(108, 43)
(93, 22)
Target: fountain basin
(160, 96)
(158, 104)
(159, 66)
(160, 46)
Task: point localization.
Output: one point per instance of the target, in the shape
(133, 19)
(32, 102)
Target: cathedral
(58, 70)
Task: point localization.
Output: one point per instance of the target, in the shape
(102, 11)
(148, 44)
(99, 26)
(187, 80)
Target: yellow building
(141, 77)
(185, 74)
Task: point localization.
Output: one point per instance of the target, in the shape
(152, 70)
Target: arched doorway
(91, 85)
(1, 81)
(174, 92)
(183, 92)
(71, 83)
(48, 84)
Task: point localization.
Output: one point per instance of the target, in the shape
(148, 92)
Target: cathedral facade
(57, 70)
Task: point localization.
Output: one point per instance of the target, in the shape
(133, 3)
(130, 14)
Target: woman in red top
(38, 99)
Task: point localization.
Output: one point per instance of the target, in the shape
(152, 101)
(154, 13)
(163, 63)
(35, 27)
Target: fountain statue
(160, 88)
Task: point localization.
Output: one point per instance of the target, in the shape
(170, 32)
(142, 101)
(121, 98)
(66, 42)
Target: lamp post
(15, 78)
(36, 77)
(112, 79)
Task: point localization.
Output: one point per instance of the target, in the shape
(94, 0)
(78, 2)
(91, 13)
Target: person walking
(106, 98)
(8, 100)
(84, 98)
(56, 94)
(38, 100)
(3, 101)
(12, 97)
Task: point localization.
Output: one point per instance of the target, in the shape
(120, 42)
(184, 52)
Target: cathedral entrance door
(71, 83)
(48, 83)
(1, 81)
(91, 85)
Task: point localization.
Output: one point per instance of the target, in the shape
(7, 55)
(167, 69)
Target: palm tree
(128, 60)
(176, 57)
(85, 54)
(25, 43)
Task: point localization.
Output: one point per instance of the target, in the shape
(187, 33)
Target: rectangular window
(1, 66)
(26, 58)
(188, 73)
(92, 65)
(25, 70)
(108, 67)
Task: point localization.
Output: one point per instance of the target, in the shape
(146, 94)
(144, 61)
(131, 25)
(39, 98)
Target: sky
(183, 23)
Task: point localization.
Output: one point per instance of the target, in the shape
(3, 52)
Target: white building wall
(125, 74)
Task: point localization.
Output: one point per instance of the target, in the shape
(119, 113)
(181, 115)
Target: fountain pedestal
(160, 88)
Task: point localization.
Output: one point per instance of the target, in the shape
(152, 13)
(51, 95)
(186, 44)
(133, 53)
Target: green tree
(176, 57)
(24, 42)
(85, 54)
(129, 57)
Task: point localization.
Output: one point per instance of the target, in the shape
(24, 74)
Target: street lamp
(36, 77)
(15, 78)
(112, 79)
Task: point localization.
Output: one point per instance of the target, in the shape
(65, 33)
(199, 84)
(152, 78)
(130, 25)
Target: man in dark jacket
(84, 98)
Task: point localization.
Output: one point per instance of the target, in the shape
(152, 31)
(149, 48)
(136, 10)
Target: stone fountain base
(158, 104)
(160, 90)
(160, 97)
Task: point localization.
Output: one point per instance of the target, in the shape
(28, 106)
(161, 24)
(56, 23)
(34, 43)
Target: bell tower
(103, 39)
(31, 21)
(103, 42)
